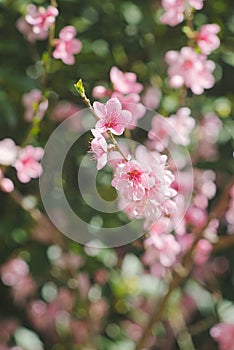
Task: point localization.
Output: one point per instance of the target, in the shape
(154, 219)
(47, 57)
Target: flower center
(134, 175)
(188, 64)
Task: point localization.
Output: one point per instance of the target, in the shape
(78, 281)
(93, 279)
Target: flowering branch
(180, 274)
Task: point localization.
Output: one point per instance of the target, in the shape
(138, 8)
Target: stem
(181, 274)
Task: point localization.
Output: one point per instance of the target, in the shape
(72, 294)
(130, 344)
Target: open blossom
(223, 333)
(144, 186)
(27, 30)
(132, 104)
(190, 69)
(40, 18)
(174, 10)
(34, 105)
(207, 39)
(27, 164)
(8, 151)
(99, 148)
(125, 83)
(111, 116)
(67, 46)
(183, 124)
(152, 96)
(176, 128)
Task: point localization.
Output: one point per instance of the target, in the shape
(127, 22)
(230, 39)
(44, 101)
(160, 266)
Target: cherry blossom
(27, 30)
(35, 105)
(13, 271)
(125, 83)
(27, 164)
(152, 96)
(99, 148)
(144, 186)
(190, 69)
(183, 124)
(207, 39)
(132, 104)
(223, 333)
(174, 10)
(40, 18)
(67, 46)
(8, 151)
(111, 116)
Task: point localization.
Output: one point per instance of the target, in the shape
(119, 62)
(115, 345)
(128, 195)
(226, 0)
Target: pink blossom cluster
(37, 21)
(144, 186)
(175, 10)
(176, 128)
(223, 334)
(207, 39)
(24, 160)
(126, 89)
(35, 26)
(188, 68)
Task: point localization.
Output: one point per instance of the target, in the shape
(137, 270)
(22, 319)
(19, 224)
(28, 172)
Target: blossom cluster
(24, 159)
(35, 25)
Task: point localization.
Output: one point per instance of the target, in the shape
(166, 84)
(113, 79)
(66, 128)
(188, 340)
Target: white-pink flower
(111, 116)
(190, 69)
(125, 83)
(67, 45)
(207, 39)
(132, 104)
(144, 186)
(223, 334)
(13, 271)
(132, 180)
(34, 104)
(182, 124)
(174, 10)
(27, 164)
(27, 30)
(40, 18)
(99, 148)
(8, 152)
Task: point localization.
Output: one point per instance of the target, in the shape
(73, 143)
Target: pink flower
(174, 12)
(35, 105)
(27, 164)
(99, 148)
(131, 180)
(144, 186)
(182, 123)
(164, 248)
(207, 39)
(159, 133)
(190, 69)
(27, 30)
(100, 92)
(125, 83)
(8, 152)
(40, 18)
(202, 251)
(63, 110)
(132, 104)
(223, 333)
(151, 98)
(111, 116)
(67, 46)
